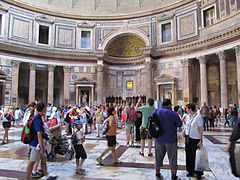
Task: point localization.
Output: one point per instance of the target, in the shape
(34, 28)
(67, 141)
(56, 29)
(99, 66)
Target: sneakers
(150, 154)
(116, 161)
(159, 176)
(37, 175)
(99, 160)
(190, 174)
(127, 145)
(49, 177)
(80, 171)
(132, 144)
(140, 153)
(174, 177)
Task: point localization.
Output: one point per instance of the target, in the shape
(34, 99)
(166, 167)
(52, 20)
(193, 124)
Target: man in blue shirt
(167, 142)
(37, 146)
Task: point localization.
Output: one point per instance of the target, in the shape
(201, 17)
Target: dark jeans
(211, 120)
(138, 132)
(205, 122)
(190, 149)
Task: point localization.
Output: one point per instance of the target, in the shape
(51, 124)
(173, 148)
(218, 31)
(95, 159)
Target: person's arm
(40, 141)
(136, 108)
(200, 130)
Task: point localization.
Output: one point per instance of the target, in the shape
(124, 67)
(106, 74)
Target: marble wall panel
(187, 25)
(21, 26)
(65, 36)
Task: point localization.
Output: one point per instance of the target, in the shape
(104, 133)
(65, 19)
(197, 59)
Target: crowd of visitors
(80, 121)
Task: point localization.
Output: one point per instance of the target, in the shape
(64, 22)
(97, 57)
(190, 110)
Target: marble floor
(13, 159)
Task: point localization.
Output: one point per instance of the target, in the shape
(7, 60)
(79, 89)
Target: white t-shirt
(79, 136)
(192, 125)
(18, 114)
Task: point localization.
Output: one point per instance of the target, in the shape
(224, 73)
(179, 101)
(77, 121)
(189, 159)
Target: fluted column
(203, 79)
(149, 79)
(223, 79)
(32, 82)
(15, 78)
(100, 83)
(50, 83)
(67, 70)
(237, 51)
(92, 96)
(187, 81)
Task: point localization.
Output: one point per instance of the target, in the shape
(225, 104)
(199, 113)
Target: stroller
(61, 144)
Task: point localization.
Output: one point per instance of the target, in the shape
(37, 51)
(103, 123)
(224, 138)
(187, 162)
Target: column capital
(32, 66)
(237, 50)
(202, 59)
(51, 68)
(66, 69)
(221, 55)
(100, 54)
(15, 63)
(186, 62)
(100, 68)
(148, 65)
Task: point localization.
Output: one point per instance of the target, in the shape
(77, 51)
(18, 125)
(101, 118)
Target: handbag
(201, 162)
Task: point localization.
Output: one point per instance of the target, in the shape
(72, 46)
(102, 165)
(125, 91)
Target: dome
(99, 9)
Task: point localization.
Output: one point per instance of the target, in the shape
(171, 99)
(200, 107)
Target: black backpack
(154, 126)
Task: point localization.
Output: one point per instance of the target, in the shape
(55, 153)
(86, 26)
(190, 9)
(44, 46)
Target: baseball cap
(77, 122)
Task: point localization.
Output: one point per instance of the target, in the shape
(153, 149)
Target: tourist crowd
(80, 121)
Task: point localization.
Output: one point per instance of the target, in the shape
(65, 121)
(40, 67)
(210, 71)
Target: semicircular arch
(135, 32)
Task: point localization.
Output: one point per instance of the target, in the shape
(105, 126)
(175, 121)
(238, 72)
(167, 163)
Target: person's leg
(77, 162)
(35, 167)
(29, 169)
(204, 123)
(44, 165)
(150, 146)
(67, 128)
(189, 158)
(105, 152)
(142, 145)
(6, 132)
(172, 156)
(207, 122)
(82, 161)
(98, 129)
(113, 153)
(160, 152)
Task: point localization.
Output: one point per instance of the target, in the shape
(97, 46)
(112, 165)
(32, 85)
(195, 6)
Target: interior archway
(125, 46)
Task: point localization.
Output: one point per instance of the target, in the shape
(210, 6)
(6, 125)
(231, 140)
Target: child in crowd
(78, 147)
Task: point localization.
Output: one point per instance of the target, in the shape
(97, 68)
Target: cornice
(124, 60)
(14, 48)
(99, 17)
(191, 46)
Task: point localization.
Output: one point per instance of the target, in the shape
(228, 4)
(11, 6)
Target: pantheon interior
(115, 51)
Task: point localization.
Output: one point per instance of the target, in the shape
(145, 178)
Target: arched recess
(135, 32)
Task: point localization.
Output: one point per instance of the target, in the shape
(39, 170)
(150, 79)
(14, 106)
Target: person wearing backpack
(37, 147)
(78, 147)
(167, 142)
(130, 123)
(144, 134)
(111, 137)
(6, 123)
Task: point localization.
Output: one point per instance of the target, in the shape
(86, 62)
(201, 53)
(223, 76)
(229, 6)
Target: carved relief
(66, 69)
(149, 65)
(186, 62)
(237, 50)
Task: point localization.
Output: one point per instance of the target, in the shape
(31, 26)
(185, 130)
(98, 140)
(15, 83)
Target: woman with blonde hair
(7, 117)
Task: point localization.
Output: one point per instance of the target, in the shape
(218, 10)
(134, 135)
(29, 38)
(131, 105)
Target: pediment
(84, 80)
(166, 16)
(85, 24)
(44, 19)
(165, 78)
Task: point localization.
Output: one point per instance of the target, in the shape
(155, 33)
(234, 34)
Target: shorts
(160, 152)
(144, 134)
(111, 141)
(80, 151)
(35, 154)
(6, 125)
(129, 129)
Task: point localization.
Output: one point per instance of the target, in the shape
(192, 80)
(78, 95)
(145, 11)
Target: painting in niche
(84, 97)
(129, 84)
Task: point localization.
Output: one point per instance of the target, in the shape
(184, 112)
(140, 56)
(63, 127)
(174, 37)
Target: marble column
(15, 78)
(203, 79)
(158, 92)
(174, 99)
(149, 78)
(32, 82)
(67, 70)
(237, 51)
(76, 95)
(50, 83)
(99, 83)
(187, 81)
(223, 79)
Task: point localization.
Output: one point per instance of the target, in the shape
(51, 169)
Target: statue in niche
(84, 98)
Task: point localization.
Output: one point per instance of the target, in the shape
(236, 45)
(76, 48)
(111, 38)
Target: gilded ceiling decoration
(125, 46)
